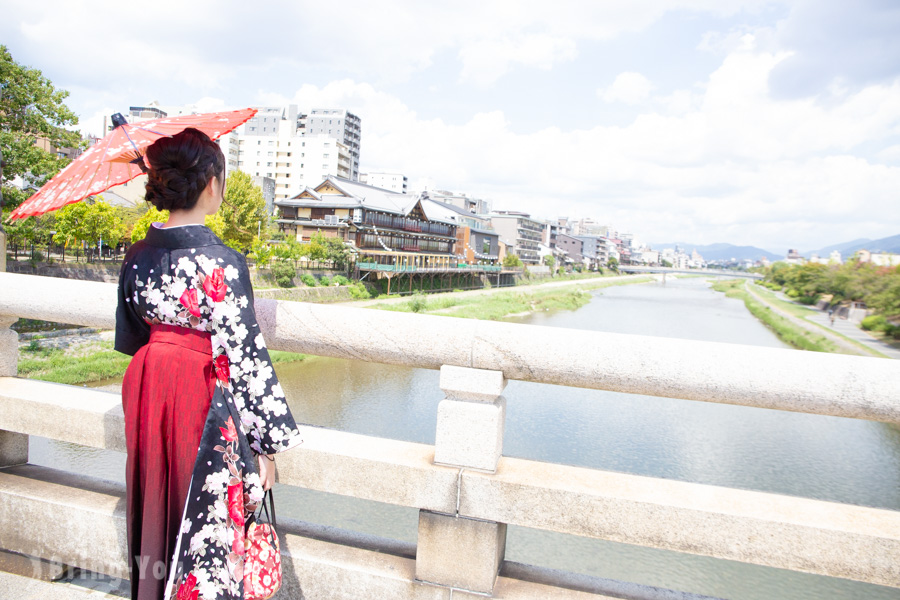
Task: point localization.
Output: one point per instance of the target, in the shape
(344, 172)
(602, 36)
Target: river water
(813, 456)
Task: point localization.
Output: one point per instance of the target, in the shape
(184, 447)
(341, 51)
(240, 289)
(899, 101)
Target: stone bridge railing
(466, 491)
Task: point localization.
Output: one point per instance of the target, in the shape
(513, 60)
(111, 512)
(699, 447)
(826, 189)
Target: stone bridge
(465, 490)
(708, 272)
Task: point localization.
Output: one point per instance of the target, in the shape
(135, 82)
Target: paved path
(819, 322)
(495, 290)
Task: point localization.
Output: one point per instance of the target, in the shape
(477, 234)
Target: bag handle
(270, 517)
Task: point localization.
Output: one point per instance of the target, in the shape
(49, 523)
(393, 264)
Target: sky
(753, 122)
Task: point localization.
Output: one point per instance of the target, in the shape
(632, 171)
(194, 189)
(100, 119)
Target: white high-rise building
(339, 124)
(394, 182)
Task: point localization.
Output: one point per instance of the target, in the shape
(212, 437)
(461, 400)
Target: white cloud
(629, 87)
(485, 61)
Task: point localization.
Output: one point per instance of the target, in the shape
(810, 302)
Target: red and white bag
(262, 557)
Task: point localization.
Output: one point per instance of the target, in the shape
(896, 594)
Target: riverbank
(88, 359)
(789, 325)
(500, 303)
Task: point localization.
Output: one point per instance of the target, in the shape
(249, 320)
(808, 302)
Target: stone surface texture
(13, 448)
(459, 552)
(847, 386)
(66, 518)
(26, 588)
(80, 415)
(806, 535)
(9, 347)
(475, 385)
(470, 434)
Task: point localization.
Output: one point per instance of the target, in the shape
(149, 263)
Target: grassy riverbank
(499, 305)
(786, 331)
(89, 362)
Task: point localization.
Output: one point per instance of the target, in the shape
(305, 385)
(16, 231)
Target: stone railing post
(455, 551)
(13, 446)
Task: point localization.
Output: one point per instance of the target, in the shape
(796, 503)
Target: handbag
(262, 554)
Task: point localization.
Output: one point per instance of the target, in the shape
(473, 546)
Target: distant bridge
(711, 272)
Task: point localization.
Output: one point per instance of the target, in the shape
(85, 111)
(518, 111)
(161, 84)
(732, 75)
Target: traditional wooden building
(384, 227)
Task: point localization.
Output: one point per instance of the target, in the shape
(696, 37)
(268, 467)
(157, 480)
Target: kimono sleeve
(238, 343)
(132, 332)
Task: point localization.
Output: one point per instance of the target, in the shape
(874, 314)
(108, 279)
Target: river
(813, 456)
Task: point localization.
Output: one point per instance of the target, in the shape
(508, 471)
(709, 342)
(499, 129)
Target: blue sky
(767, 123)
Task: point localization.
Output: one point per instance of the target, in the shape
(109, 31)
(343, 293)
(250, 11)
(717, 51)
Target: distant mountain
(888, 244)
(722, 251)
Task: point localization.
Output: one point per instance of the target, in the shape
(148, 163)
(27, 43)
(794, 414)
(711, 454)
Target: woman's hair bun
(180, 167)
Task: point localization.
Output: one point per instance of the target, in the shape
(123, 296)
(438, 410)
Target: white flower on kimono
(277, 391)
(198, 544)
(276, 434)
(207, 264)
(231, 273)
(240, 332)
(167, 311)
(257, 385)
(177, 287)
(253, 482)
(217, 483)
(154, 295)
(187, 265)
(186, 526)
(259, 341)
(220, 509)
(242, 301)
(207, 589)
(246, 364)
(274, 406)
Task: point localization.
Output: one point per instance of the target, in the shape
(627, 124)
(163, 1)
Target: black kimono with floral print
(186, 276)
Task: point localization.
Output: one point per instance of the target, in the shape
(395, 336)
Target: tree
(31, 109)
(512, 260)
(613, 264)
(261, 253)
(243, 212)
(550, 261)
(317, 248)
(139, 231)
(89, 222)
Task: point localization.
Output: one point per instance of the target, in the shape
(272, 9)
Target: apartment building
(393, 182)
(520, 232)
(339, 124)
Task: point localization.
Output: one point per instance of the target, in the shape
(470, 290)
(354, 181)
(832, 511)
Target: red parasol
(115, 159)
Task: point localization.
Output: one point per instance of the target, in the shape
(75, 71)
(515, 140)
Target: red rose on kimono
(229, 432)
(189, 301)
(223, 373)
(236, 507)
(214, 285)
(239, 546)
(186, 590)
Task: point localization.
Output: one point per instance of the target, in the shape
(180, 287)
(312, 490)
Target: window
(268, 164)
(324, 156)
(259, 142)
(486, 247)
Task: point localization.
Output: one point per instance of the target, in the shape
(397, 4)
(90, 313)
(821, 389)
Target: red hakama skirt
(166, 394)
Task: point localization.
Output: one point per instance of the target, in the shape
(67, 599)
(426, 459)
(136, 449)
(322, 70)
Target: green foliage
(613, 264)
(243, 212)
(308, 280)
(512, 260)
(290, 250)
(550, 261)
(284, 274)
(418, 302)
(140, 227)
(31, 109)
(325, 281)
(666, 264)
(89, 222)
(54, 365)
(340, 280)
(332, 249)
(260, 252)
(878, 287)
(875, 323)
(359, 291)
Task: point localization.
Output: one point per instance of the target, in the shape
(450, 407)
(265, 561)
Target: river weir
(827, 458)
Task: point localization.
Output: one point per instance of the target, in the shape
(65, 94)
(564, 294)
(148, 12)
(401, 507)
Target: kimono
(200, 376)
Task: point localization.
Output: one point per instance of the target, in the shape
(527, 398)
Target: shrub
(340, 280)
(875, 323)
(418, 302)
(284, 274)
(359, 291)
(808, 300)
(308, 280)
(325, 280)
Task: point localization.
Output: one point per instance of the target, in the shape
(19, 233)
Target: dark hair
(180, 167)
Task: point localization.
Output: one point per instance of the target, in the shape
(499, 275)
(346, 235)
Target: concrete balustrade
(466, 492)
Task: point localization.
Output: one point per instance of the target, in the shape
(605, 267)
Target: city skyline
(773, 124)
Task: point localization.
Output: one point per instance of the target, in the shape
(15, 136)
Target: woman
(200, 378)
